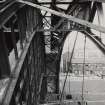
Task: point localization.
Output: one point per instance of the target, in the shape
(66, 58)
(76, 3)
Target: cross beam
(102, 1)
(47, 3)
(7, 12)
(71, 18)
(58, 30)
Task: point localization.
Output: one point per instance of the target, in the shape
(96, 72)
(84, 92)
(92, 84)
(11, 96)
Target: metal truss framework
(55, 33)
(83, 24)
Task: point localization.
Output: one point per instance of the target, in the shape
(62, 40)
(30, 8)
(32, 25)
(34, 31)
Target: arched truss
(79, 15)
(22, 55)
(59, 22)
(77, 11)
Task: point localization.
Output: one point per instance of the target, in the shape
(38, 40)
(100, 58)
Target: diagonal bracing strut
(71, 18)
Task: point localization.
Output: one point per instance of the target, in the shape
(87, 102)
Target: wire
(68, 69)
(68, 65)
(83, 71)
(99, 21)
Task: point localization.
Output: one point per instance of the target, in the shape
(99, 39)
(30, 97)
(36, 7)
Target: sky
(80, 40)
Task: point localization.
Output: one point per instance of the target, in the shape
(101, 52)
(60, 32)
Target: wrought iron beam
(58, 30)
(5, 5)
(102, 1)
(69, 12)
(12, 83)
(9, 12)
(71, 18)
(48, 3)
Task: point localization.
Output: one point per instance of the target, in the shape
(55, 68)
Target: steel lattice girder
(71, 18)
(8, 12)
(66, 2)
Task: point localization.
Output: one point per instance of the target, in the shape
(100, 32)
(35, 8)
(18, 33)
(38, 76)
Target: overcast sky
(80, 40)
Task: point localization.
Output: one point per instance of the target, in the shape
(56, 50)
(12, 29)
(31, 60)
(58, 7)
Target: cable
(99, 21)
(83, 72)
(68, 69)
(68, 65)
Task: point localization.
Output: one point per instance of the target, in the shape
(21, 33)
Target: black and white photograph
(52, 52)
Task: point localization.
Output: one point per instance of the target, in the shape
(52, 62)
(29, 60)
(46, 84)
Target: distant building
(93, 66)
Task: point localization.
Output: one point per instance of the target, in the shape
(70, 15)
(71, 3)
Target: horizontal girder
(64, 2)
(71, 18)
